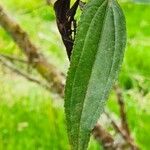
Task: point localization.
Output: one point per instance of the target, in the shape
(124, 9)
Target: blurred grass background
(31, 118)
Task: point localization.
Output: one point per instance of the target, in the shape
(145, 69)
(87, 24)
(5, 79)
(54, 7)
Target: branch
(128, 140)
(123, 115)
(13, 58)
(37, 60)
(121, 104)
(17, 71)
(103, 137)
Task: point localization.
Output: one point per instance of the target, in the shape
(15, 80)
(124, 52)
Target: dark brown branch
(65, 22)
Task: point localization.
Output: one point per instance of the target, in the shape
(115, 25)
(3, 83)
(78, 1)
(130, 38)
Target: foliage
(37, 112)
(97, 55)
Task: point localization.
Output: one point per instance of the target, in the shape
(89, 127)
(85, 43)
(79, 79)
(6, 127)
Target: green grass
(30, 118)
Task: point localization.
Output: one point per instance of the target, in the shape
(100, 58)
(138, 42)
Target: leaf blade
(94, 46)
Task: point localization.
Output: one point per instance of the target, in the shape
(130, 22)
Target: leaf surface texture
(95, 62)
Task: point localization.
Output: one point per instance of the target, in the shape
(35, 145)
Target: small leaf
(97, 56)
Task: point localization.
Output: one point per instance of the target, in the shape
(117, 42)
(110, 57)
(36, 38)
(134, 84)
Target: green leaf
(97, 56)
